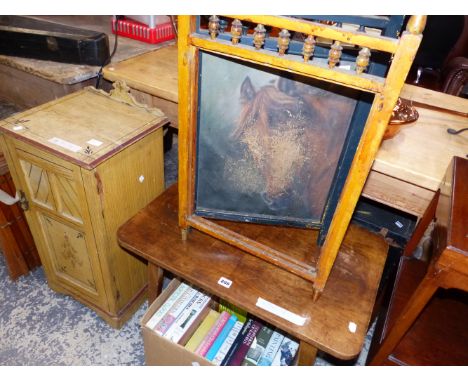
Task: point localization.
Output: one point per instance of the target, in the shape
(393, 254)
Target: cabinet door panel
(37, 181)
(69, 254)
(68, 204)
(60, 222)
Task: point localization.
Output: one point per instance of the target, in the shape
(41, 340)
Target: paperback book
(184, 326)
(258, 347)
(202, 330)
(232, 310)
(221, 338)
(164, 308)
(226, 345)
(176, 309)
(286, 353)
(271, 349)
(242, 344)
(212, 334)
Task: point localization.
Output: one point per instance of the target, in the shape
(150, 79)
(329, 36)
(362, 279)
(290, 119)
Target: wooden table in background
(408, 168)
(152, 78)
(337, 323)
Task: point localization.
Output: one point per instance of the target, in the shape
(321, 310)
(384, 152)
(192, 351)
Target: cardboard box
(158, 350)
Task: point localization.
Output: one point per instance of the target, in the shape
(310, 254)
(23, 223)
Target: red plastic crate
(139, 31)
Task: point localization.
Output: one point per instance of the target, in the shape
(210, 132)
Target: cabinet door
(59, 220)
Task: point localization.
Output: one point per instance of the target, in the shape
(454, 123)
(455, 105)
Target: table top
(337, 323)
(70, 73)
(421, 152)
(154, 73)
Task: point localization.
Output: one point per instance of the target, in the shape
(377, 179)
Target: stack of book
(225, 336)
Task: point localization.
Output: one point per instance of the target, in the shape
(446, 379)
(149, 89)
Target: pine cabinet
(85, 164)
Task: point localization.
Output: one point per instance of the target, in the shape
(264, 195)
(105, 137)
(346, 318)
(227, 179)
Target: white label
(94, 142)
(223, 281)
(65, 144)
(281, 312)
(398, 224)
(345, 67)
(18, 128)
(352, 327)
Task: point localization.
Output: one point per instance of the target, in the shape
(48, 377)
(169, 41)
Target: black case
(32, 38)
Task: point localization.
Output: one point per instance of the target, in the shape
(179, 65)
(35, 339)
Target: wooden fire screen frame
(386, 90)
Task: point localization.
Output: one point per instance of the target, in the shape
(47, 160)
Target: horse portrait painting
(270, 146)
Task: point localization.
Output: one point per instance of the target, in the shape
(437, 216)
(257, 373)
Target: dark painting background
(268, 142)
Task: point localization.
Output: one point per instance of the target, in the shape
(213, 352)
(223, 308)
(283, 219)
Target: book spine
(194, 325)
(211, 336)
(164, 308)
(286, 353)
(221, 338)
(202, 330)
(242, 344)
(258, 347)
(233, 310)
(174, 311)
(230, 339)
(240, 337)
(243, 348)
(271, 349)
(187, 317)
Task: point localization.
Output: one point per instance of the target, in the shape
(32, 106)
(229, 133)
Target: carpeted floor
(41, 327)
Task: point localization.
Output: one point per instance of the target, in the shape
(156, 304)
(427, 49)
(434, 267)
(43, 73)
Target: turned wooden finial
(416, 24)
(335, 54)
(236, 31)
(213, 26)
(308, 48)
(362, 60)
(259, 36)
(283, 41)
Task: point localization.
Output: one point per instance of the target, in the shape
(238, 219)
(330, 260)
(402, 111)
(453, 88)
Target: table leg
(307, 354)
(155, 282)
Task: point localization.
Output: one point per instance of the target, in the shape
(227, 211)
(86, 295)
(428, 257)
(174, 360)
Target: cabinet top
(86, 127)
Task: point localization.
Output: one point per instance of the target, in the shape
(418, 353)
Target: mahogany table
(337, 323)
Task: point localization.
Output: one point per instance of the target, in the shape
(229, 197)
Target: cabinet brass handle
(23, 202)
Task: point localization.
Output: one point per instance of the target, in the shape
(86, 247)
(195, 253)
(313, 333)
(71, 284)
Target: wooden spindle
(222, 25)
(308, 48)
(236, 31)
(335, 54)
(283, 41)
(259, 36)
(213, 26)
(362, 60)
